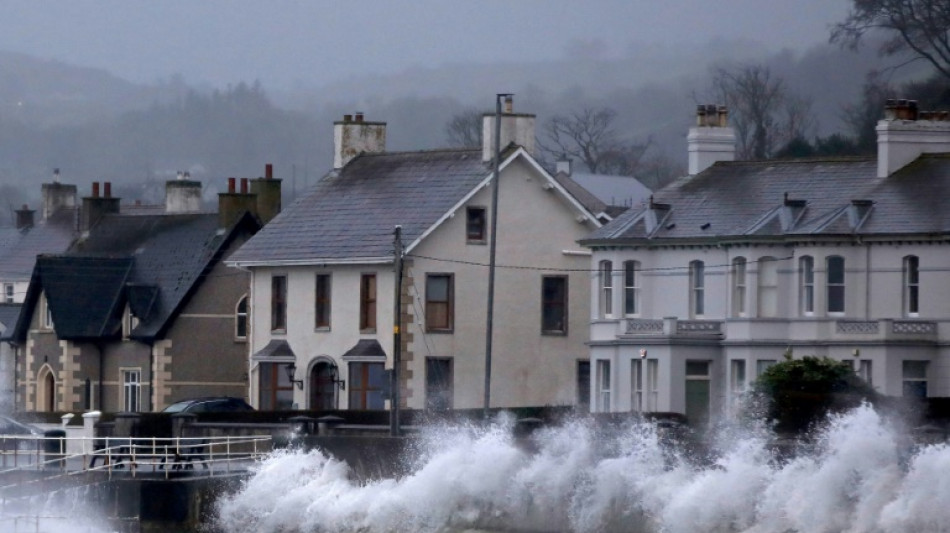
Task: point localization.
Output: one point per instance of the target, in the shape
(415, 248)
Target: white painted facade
(539, 225)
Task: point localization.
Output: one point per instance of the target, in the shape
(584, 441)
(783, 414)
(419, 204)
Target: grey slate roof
(53, 235)
(624, 191)
(150, 262)
(350, 214)
(8, 318)
(792, 199)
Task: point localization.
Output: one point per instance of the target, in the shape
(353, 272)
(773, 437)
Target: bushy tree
(796, 393)
(919, 28)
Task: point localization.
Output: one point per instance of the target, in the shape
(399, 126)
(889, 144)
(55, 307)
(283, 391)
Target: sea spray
(861, 476)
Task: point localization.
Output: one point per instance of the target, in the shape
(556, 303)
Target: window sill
(322, 329)
(278, 332)
(476, 241)
(368, 331)
(553, 333)
(439, 330)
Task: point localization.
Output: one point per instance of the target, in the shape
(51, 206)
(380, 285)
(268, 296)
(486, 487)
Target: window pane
(438, 311)
(322, 304)
(368, 301)
(553, 304)
(475, 225)
(697, 368)
(279, 303)
(835, 269)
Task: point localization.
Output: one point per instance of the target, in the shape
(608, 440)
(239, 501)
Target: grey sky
(316, 42)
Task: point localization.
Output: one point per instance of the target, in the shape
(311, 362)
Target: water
(859, 476)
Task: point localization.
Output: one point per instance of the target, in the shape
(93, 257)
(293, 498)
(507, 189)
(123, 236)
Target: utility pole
(491, 249)
(397, 335)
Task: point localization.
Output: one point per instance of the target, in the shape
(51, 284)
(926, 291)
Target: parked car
(220, 404)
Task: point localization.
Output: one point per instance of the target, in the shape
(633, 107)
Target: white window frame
(46, 317)
(737, 379)
(131, 389)
(631, 288)
(911, 282)
(653, 384)
(806, 267)
(767, 287)
(636, 385)
(739, 286)
(606, 289)
(241, 316)
(603, 386)
(697, 289)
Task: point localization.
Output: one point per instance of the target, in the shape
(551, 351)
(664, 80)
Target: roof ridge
(425, 151)
(803, 160)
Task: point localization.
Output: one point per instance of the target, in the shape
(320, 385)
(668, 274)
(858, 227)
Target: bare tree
(589, 135)
(862, 116)
(763, 113)
(464, 129)
(920, 27)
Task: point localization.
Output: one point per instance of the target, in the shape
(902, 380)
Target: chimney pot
(509, 104)
(358, 117)
(347, 118)
(55, 175)
(107, 188)
(269, 171)
(243, 185)
(95, 189)
(25, 207)
(231, 183)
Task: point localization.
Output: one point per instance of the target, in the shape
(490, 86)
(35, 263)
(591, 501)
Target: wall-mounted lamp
(291, 370)
(334, 378)
(643, 353)
(856, 352)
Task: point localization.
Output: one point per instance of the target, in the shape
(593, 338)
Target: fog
(291, 43)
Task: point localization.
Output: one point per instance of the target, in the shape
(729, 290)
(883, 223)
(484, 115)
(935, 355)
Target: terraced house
(323, 281)
(741, 262)
(141, 311)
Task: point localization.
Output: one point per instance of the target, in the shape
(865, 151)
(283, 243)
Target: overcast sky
(318, 41)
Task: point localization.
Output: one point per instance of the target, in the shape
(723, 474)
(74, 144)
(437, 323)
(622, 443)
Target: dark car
(220, 404)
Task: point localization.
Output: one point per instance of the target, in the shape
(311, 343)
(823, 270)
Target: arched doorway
(46, 391)
(323, 386)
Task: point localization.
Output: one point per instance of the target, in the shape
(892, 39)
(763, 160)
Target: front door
(323, 387)
(697, 392)
(438, 383)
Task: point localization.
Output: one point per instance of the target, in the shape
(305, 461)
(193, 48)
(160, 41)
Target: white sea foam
(862, 476)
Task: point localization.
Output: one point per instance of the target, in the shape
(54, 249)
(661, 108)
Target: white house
(323, 282)
(729, 268)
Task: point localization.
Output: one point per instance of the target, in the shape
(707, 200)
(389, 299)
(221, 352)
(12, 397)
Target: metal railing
(129, 456)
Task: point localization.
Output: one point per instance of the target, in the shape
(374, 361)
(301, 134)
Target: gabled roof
(51, 236)
(796, 199)
(151, 263)
(84, 294)
(350, 214)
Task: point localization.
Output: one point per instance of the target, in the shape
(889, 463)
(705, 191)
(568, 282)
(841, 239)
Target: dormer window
(129, 322)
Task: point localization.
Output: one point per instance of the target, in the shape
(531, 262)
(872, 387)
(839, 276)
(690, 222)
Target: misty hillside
(48, 93)
(97, 127)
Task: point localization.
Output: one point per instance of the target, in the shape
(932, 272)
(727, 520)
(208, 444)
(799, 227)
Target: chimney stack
(182, 195)
(564, 166)
(711, 140)
(906, 132)
(57, 196)
(24, 217)
(232, 205)
(353, 136)
(267, 191)
(94, 207)
(517, 128)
